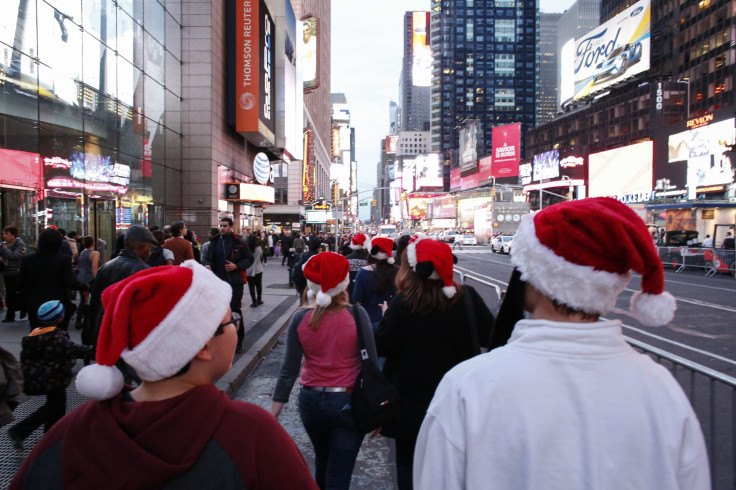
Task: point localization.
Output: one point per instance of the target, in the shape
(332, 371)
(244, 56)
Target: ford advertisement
(614, 51)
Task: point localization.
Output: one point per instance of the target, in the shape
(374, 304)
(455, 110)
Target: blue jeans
(328, 420)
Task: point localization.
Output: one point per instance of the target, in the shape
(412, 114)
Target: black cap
(139, 233)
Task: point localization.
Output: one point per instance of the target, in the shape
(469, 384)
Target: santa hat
(155, 320)
(580, 253)
(327, 275)
(432, 259)
(358, 241)
(380, 248)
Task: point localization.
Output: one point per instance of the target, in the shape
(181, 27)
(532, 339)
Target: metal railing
(710, 260)
(711, 394)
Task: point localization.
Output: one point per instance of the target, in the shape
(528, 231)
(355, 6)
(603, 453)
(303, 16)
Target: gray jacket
(12, 255)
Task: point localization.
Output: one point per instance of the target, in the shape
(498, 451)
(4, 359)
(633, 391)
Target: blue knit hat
(50, 312)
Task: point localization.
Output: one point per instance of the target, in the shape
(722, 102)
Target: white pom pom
(323, 299)
(99, 382)
(391, 260)
(653, 310)
(449, 291)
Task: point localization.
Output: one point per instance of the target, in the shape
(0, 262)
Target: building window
(505, 31)
(505, 65)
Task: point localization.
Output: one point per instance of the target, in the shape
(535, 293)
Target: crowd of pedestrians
(547, 395)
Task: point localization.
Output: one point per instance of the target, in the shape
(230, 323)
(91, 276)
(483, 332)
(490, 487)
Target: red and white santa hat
(155, 320)
(358, 241)
(381, 248)
(580, 253)
(327, 275)
(432, 259)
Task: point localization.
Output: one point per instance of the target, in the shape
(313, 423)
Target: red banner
(455, 179)
(484, 168)
(247, 57)
(470, 182)
(506, 150)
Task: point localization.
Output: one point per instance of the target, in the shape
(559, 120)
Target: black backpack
(157, 257)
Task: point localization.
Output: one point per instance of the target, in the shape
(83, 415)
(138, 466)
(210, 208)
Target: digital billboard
(421, 68)
(506, 150)
(417, 204)
(428, 171)
(704, 150)
(310, 52)
(484, 167)
(621, 172)
(392, 143)
(291, 80)
(469, 145)
(614, 51)
(546, 165)
(455, 181)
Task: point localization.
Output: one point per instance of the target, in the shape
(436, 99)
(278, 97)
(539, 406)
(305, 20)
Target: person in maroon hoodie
(176, 430)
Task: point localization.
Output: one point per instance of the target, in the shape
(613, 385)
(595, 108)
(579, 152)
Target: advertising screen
(546, 165)
(525, 173)
(310, 51)
(444, 207)
(704, 151)
(506, 150)
(421, 68)
(418, 205)
(469, 146)
(485, 167)
(429, 171)
(408, 173)
(621, 171)
(455, 179)
(293, 101)
(614, 51)
(392, 143)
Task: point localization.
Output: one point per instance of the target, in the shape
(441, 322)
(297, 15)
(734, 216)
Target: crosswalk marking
(469, 251)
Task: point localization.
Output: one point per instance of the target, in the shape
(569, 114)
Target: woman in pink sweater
(324, 334)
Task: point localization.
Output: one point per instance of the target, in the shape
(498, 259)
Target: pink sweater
(330, 352)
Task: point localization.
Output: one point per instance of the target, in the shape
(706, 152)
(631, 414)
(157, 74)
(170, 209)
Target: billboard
(703, 149)
(310, 51)
(614, 51)
(291, 80)
(428, 171)
(417, 204)
(485, 167)
(506, 150)
(546, 166)
(392, 143)
(469, 146)
(421, 68)
(622, 172)
(455, 181)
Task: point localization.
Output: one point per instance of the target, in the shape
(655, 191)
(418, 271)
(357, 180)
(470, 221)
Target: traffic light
(374, 203)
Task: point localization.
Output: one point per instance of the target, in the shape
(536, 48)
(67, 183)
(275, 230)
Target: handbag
(375, 400)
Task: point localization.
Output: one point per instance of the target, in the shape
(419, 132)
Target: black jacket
(47, 359)
(124, 265)
(230, 247)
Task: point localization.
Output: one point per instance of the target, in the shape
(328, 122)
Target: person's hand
(384, 307)
(209, 268)
(229, 266)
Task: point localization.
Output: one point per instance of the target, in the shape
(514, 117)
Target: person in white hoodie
(567, 403)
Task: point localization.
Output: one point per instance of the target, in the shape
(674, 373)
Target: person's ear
(204, 354)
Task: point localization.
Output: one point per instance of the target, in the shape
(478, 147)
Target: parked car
(502, 244)
(469, 240)
(449, 236)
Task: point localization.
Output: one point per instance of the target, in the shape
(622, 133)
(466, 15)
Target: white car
(469, 240)
(502, 244)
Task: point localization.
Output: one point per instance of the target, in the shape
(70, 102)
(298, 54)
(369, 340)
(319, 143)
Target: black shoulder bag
(375, 400)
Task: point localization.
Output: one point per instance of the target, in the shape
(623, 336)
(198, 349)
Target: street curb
(234, 379)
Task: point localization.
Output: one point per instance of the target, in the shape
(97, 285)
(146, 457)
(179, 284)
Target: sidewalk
(263, 326)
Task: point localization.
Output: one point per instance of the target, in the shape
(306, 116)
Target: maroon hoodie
(199, 439)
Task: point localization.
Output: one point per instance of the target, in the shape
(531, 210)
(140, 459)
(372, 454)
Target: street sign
(363, 203)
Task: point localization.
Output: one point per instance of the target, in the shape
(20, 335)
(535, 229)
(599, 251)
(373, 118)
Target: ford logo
(261, 168)
(636, 11)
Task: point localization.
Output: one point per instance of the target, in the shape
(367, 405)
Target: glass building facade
(485, 67)
(90, 116)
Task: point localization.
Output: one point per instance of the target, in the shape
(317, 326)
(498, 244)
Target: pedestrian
(47, 275)
(178, 244)
(88, 266)
(229, 258)
(375, 283)
(728, 242)
(432, 324)
(191, 237)
(357, 259)
(47, 358)
(160, 255)
(11, 252)
(255, 272)
(175, 430)
(567, 403)
(299, 244)
(324, 335)
(298, 278)
(457, 241)
(214, 233)
(263, 242)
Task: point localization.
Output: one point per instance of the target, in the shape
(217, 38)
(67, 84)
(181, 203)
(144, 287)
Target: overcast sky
(367, 47)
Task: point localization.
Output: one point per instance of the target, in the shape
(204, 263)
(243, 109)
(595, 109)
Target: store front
(21, 184)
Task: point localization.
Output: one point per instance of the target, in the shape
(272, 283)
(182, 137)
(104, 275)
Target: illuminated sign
(392, 143)
(506, 150)
(421, 70)
(66, 183)
(235, 191)
(621, 171)
(710, 189)
(614, 51)
(310, 50)
(318, 216)
(484, 168)
(262, 168)
(699, 122)
(57, 162)
(469, 146)
(306, 188)
(571, 162)
(428, 171)
(546, 165)
(525, 172)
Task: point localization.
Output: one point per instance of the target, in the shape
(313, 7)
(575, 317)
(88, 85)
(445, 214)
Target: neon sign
(701, 121)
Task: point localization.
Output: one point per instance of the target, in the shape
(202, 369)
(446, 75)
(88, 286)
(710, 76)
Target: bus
(388, 231)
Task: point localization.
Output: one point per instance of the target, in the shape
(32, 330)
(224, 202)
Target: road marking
(475, 274)
(696, 302)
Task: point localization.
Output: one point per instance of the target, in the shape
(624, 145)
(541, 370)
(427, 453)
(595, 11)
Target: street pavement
(264, 325)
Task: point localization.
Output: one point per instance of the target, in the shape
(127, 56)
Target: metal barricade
(713, 397)
(490, 293)
(710, 260)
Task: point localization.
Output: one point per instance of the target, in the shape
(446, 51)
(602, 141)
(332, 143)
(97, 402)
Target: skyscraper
(416, 73)
(548, 75)
(485, 67)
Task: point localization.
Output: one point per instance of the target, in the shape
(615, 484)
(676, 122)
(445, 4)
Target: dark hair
(88, 241)
(227, 220)
(154, 228)
(72, 234)
(159, 236)
(252, 242)
(62, 231)
(176, 228)
(385, 273)
(401, 243)
(12, 230)
(423, 296)
(214, 231)
(49, 242)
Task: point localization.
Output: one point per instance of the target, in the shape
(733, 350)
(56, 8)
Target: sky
(367, 47)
